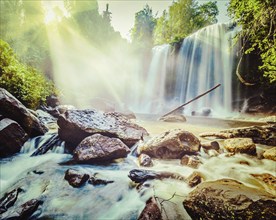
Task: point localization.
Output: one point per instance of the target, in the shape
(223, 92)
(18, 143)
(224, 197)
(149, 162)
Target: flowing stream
(42, 177)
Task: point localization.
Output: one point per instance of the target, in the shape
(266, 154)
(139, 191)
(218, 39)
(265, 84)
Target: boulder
(173, 118)
(270, 154)
(229, 199)
(173, 144)
(151, 211)
(75, 125)
(190, 161)
(145, 160)
(12, 108)
(75, 178)
(98, 148)
(12, 137)
(9, 199)
(240, 145)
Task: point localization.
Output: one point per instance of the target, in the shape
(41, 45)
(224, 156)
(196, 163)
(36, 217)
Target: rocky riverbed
(103, 165)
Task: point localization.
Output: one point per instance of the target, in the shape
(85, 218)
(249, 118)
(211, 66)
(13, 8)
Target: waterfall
(154, 93)
(205, 59)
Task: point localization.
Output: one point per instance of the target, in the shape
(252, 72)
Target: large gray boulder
(229, 199)
(12, 137)
(12, 108)
(75, 125)
(173, 144)
(99, 148)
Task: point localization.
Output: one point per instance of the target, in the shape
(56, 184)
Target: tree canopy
(258, 21)
(184, 17)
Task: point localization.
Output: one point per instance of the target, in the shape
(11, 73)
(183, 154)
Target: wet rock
(240, 145)
(202, 112)
(11, 108)
(75, 178)
(140, 176)
(24, 211)
(45, 117)
(212, 145)
(52, 101)
(151, 211)
(95, 181)
(52, 142)
(99, 148)
(75, 125)
(12, 137)
(267, 180)
(173, 144)
(270, 154)
(194, 179)
(190, 161)
(145, 160)
(173, 118)
(9, 199)
(229, 199)
(259, 134)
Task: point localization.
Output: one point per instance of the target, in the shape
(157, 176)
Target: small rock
(145, 160)
(75, 178)
(190, 161)
(99, 148)
(140, 176)
(270, 154)
(240, 145)
(12, 137)
(213, 145)
(229, 199)
(173, 118)
(151, 211)
(9, 199)
(194, 179)
(95, 181)
(173, 144)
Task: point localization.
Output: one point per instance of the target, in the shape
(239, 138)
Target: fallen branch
(203, 94)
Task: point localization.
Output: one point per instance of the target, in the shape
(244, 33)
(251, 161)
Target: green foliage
(23, 81)
(258, 21)
(143, 28)
(184, 17)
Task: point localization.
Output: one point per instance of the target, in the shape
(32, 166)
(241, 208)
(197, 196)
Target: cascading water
(204, 60)
(154, 92)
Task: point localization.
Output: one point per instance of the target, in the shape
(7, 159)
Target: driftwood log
(259, 134)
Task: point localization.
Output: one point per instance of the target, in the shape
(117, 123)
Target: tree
(142, 32)
(258, 21)
(184, 17)
(24, 82)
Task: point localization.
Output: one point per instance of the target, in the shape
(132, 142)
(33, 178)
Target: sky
(123, 11)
